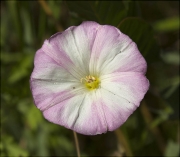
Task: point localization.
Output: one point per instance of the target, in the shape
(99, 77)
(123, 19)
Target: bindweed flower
(89, 78)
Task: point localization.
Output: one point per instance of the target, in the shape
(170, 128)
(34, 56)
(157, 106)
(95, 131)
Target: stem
(49, 12)
(155, 130)
(123, 141)
(77, 144)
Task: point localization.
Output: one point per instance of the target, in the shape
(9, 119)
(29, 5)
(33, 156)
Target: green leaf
(111, 12)
(163, 116)
(12, 148)
(41, 25)
(21, 70)
(172, 85)
(172, 149)
(133, 8)
(55, 8)
(65, 144)
(104, 12)
(42, 140)
(173, 99)
(4, 26)
(171, 57)
(167, 25)
(27, 25)
(7, 57)
(13, 10)
(142, 34)
(84, 9)
(34, 117)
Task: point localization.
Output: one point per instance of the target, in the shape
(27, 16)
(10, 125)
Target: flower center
(90, 82)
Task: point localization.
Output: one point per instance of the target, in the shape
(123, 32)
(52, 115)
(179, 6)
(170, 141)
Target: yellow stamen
(91, 82)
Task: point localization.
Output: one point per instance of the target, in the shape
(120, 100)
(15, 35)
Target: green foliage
(172, 149)
(167, 25)
(171, 57)
(24, 27)
(22, 69)
(10, 148)
(104, 12)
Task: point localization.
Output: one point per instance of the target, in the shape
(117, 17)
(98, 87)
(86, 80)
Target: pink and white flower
(89, 78)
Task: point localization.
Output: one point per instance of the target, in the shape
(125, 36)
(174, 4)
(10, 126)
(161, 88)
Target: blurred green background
(152, 130)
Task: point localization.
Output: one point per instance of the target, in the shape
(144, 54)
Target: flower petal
(116, 109)
(131, 86)
(115, 51)
(91, 120)
(50, 82)
(65, 112)
(129, 60)
(72, 47)
(52, 49)
(83, 40)
(80, 113)
(48, 69)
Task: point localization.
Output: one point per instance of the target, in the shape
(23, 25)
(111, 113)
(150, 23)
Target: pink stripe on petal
(53, 51)
(91, 120)
(41, 58)
(46, 93)
(49, 70)
(65, 112)
(49, 81)
(74, 42)
(130, 59)
(116, 109)
(51, 48)
(109, 42)
(132, 79)
(84, 36)
(131, 86)
(80, 113)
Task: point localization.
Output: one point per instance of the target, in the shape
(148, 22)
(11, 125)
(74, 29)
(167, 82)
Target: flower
(89, 78)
